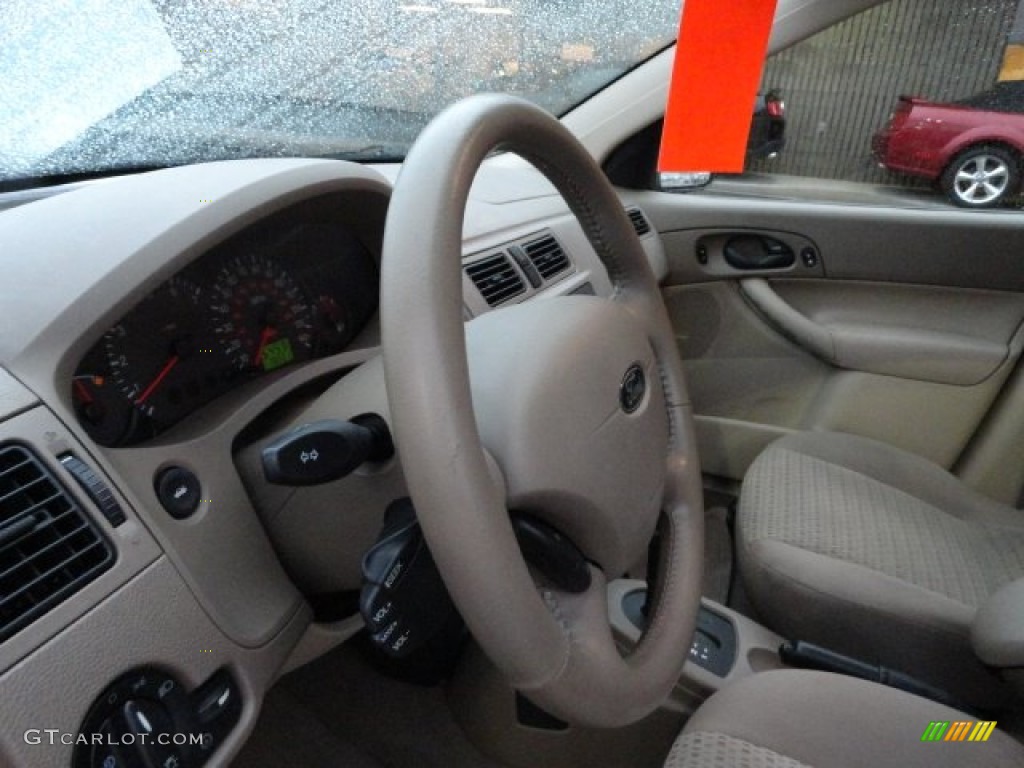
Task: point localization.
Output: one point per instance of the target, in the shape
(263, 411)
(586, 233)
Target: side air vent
(547, 256)
(496, 279)
(639, 221)
(49, 547)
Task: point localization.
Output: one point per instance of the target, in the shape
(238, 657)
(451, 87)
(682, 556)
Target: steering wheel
(573, 409)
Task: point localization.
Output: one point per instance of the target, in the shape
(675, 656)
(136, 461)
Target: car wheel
(981, 177)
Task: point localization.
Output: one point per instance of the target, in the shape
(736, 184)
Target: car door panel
(751, 384)
(904, 328)
(946, 336)
(924, 246)
(994, 461)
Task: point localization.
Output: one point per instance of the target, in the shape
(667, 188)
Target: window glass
(923, 100)
(96, 86)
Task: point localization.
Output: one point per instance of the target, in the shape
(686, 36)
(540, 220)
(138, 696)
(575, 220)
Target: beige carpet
(288, 735)
(337, 712)
(717, 554)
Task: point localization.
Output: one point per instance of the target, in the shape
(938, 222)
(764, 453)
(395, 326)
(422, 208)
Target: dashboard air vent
(547, 256)
(639, 221)
(496, 279)
(49, 547)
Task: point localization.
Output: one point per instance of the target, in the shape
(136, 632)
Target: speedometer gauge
(262, 317)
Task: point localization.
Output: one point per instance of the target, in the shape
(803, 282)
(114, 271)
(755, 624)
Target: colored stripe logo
(958, 730)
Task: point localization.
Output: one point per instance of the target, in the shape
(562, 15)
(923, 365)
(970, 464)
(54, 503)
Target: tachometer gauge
(262, 318)
(162, 356)
(157, 365)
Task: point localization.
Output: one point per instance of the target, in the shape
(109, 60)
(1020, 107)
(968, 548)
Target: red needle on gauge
(83, 394)
(265, 337)
(156, 381)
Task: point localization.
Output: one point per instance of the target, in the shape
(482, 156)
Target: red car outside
(972, 148)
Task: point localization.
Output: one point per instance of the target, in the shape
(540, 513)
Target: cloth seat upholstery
(802, 719)
(871, 551)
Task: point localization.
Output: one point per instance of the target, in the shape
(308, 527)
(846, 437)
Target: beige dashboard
(224, 588)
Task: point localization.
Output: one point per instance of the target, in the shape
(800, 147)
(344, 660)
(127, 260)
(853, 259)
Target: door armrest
(997, 634)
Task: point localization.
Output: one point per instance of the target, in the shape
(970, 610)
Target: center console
(726, 645)
(505, 725)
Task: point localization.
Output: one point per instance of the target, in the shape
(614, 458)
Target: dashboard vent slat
(49, 547)
(496, 279)
(639, 221)
(547, 256)
(54, 574)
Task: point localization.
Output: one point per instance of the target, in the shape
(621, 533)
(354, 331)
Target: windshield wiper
(381, 153)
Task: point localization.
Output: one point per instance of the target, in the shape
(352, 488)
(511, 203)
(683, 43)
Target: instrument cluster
(295, 287)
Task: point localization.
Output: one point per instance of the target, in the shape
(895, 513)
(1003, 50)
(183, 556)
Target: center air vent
(496, 279)
(639, 221)
(547, 256)
(49, 547)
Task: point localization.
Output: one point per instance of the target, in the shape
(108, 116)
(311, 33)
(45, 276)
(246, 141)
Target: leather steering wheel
(527, 409)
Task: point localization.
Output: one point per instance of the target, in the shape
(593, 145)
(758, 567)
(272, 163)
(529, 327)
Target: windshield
(93, 86)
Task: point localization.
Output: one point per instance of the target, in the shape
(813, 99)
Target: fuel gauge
(106, 416)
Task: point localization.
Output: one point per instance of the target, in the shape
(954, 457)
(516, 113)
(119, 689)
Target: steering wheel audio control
(404, 601)
(326, 450)
(146, 719)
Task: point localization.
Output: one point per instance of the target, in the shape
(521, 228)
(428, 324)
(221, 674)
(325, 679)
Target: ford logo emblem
(633, 388)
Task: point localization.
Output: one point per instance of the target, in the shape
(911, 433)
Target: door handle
(813, 337)
(749, 251)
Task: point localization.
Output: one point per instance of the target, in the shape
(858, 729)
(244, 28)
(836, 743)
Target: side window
(921, 102)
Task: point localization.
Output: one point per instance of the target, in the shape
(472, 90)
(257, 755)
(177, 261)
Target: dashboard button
(217, 707)
(98, 491)
(178, 491)
(106, 754)
(377, 607)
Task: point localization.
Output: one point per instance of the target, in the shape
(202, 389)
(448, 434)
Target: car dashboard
(169, 324)
(296, 286)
